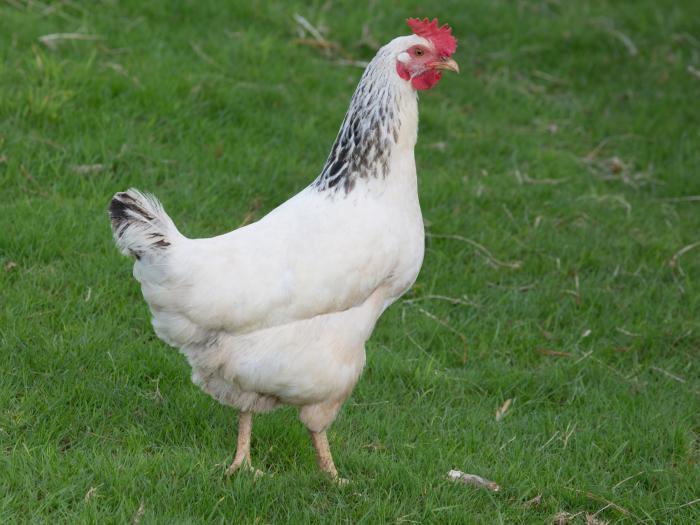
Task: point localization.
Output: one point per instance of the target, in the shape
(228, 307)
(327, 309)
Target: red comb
(441, 37)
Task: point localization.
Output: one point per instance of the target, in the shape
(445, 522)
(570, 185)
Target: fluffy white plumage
(279, 311)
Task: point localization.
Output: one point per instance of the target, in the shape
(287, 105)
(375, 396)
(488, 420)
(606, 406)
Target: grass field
(560, 183)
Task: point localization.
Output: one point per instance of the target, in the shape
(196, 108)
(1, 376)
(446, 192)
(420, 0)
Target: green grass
(559, 146)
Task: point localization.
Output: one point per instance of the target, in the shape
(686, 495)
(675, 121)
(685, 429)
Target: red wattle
(426, 80)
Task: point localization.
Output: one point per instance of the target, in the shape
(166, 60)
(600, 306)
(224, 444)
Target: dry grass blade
(308, 27)
(626, 41)
(546, 351)
(694, 71)
(593, 154)
(436, 297)
(591, 519)
(16, 4)
(619, 199)
(90, 494)
(549, 77)
(472, 479)
(86, 169)
(609, 503)
(568, 433)
(443, 323)
(481, 249)
(501, 412)
(54, 39)
(523, 178)
(563, 517)
(689, 503)
(674, 261)
(30, 178)
(136, 519)
(252, 212)
(201, 54)
(534, 502)
(627, 479)
(354, 63)
(554, 436)
(668, 374)
(328, 47)
(607, 25)
(121, 70)
(317, 39)
(368, 39)
(687, 198)
(321, 44)
(614, 169)
(627, 332)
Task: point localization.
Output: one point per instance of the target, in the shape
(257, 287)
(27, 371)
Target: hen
(279, 311)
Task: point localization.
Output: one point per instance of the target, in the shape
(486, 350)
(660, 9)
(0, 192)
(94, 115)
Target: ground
(559, 179)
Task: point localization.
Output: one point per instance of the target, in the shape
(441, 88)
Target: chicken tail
(140, 225)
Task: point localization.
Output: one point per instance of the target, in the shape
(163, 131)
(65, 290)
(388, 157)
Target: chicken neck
(382, 118)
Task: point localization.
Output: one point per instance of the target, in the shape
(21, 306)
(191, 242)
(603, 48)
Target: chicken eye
(419, 52)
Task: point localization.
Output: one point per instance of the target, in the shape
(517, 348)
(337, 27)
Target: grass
(566, 153)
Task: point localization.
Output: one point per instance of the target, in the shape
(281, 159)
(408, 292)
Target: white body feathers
(279, 311)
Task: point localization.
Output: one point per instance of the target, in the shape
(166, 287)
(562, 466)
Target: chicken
(279, 311)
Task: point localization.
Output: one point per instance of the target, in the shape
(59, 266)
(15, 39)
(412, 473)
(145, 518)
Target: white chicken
(279, 311)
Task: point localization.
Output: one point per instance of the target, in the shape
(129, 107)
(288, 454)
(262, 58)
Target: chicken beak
(447, 64)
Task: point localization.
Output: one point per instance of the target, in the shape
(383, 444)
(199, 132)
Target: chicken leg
(245, 427)
(324, 457)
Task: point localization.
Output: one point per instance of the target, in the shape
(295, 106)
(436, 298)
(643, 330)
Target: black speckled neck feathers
(369, 130)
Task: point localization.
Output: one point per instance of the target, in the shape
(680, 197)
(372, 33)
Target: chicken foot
(324, 457)
(242, 457)
(245, 427)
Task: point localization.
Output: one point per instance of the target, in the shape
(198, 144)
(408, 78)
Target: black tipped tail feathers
(140, 225)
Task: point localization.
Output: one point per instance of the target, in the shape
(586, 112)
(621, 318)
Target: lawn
(559, 178)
